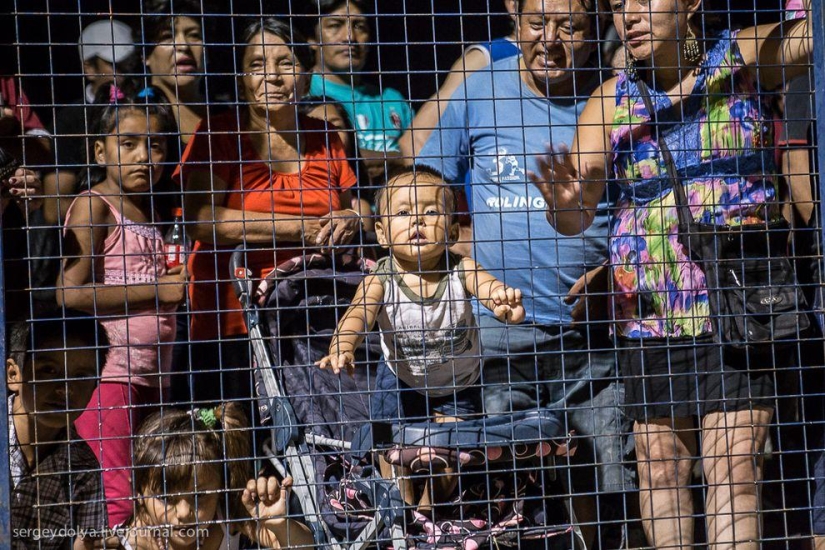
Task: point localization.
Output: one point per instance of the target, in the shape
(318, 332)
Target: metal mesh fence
(350, 274)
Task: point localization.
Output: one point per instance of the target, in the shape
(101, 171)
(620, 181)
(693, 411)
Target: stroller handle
(241, 276)
(272, 400)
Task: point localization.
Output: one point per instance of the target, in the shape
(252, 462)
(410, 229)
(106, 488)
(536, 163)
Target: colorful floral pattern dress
(721, 139)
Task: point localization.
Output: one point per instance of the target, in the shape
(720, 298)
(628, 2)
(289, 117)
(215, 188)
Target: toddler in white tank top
(420, 295)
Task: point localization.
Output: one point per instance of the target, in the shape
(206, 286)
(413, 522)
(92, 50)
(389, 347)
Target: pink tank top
(141, 342)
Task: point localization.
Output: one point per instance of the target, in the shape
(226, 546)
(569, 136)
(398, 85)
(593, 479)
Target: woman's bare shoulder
(607, 91)
(602, 104)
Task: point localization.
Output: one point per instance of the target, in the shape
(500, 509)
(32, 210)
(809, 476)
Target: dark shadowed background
(40, 38)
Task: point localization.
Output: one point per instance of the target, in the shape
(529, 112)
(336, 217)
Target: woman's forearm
(109, 299)
(798, 46)
(217, 224)
(572, 221)
(231, 226)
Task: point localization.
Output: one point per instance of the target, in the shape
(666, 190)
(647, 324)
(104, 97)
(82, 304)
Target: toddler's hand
(338, 362)
(172, 286)
(266, 499)
(507, 305)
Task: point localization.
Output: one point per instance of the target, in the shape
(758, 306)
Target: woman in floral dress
(686, 398)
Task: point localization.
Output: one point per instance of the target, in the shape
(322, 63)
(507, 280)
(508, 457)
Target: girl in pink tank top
(115, 269)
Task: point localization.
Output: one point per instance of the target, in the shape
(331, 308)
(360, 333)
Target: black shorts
(683, 377)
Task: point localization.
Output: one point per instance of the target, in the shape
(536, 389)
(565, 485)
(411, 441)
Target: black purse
(757, 306)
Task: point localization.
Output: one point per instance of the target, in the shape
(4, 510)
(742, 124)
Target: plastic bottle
(175, 245)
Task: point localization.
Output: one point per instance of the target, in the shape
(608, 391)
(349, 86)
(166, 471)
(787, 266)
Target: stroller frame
(293, 445)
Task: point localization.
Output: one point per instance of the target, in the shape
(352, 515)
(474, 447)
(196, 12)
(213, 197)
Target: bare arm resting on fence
(781, 51)
(221, 225)
(502, 300)
(356, 322)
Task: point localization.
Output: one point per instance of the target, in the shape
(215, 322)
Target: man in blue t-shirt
(497, 124)
(379, 115)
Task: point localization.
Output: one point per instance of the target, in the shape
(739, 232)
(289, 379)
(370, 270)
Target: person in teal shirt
(378, 114)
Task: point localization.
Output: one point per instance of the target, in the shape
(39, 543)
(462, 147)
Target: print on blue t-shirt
(496, 121)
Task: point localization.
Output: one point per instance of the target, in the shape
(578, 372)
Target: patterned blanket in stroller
(508, 507)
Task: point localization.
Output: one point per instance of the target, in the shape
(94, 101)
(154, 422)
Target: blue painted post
(5, 477)
(817, 27)
(818, 30)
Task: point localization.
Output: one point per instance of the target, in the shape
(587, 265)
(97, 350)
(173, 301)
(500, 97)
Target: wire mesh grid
(349, 274)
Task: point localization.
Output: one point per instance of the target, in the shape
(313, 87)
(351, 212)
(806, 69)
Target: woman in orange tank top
(259, 175)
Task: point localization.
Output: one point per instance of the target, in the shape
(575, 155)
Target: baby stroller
(322, 433)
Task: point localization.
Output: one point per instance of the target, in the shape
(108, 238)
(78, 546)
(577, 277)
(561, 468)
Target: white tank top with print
(431, 344)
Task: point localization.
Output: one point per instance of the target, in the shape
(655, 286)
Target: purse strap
(684, 214)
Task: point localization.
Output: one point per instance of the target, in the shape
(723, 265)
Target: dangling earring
(630, 67)
(691, 48)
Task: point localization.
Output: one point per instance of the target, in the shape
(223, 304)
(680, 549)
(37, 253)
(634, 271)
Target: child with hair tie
(196, 489)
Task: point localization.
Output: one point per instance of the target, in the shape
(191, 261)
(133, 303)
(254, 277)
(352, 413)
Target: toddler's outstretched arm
(502, 300)
(359, 319)
(266, 500)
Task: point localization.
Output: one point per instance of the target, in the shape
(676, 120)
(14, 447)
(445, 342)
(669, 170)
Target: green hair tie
(206, 416)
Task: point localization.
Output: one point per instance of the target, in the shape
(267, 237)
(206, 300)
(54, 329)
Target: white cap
(110, 40)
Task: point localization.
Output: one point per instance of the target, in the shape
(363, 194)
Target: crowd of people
(523, 237)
